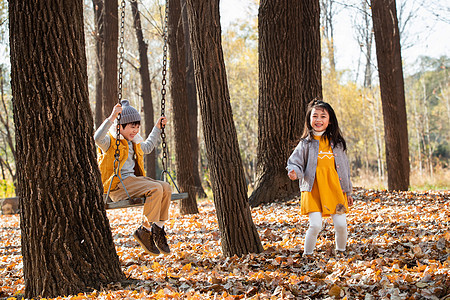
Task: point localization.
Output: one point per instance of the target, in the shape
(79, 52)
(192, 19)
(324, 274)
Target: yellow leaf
(156, 266)
(187, 267)
(447, 236)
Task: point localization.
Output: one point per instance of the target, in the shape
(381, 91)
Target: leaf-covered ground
(398, 248)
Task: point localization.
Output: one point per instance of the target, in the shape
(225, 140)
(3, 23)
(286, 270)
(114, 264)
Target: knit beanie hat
(129, 113)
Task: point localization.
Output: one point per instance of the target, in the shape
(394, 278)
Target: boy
(150, 235)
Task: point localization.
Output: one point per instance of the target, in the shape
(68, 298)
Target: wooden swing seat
(109, 204)
(131, 202)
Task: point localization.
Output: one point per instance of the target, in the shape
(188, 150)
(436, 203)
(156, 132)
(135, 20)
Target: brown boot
(159, 236)
(145, 239)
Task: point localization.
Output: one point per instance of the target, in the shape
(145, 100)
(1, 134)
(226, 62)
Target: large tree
(238, 232)
(184, 166)
(192, 103)
(289, 77)
(67, 245)
(98, 35)
(109, 59)
(390, 72)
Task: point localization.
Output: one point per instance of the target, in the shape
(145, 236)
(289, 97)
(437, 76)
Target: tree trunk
(387, 41)
(110, 44)
(418, 133)
(184, 167)
(426, 132)
(149, 115)
(327, 13)
(67, 245)
(99, 36)
(368, 68)
(150, 159)
(238, 232)
(192, 103)
(367, 33)
(290, 77)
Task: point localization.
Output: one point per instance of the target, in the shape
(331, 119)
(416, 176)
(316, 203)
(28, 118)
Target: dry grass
(424, 181)
(419, 181)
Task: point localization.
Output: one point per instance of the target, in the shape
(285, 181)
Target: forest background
(350, 85)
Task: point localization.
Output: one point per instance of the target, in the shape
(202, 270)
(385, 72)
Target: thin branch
(149, 17)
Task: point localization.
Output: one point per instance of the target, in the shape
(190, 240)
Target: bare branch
(439, 10)
(149, 17)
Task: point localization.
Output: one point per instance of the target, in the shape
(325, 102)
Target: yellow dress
(326, 195)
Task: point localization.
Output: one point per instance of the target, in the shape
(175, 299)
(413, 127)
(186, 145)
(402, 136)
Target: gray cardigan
(304, 162)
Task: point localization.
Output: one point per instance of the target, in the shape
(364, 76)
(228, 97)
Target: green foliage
(7, 189)
(442, 152)
(427, 94)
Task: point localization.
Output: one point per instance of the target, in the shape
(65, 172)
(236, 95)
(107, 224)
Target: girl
(320, 162)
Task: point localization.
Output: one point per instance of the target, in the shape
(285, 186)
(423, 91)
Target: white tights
(315, 226)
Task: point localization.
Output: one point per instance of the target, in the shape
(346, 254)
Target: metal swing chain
(163, 90)
(121, 47)
(164, 158)
(121, 51)
(119, 96)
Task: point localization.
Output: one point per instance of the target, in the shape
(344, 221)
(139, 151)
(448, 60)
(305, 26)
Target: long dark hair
(332, 133)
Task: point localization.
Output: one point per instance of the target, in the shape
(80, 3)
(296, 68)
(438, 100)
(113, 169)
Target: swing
(137, 201)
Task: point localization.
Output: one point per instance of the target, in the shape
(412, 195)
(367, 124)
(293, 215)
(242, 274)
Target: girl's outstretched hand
(349, 200)
(292, 175)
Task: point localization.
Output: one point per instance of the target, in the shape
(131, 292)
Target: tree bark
(150, 159)
(99, 37)
(67, 245)
(192, 103)
(238, 232)
(366, 39)
(110, 44)
(289, 77)
(387, 41)
(184, 167)
(328, 13)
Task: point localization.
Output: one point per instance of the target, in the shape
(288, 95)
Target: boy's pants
(158, 194)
